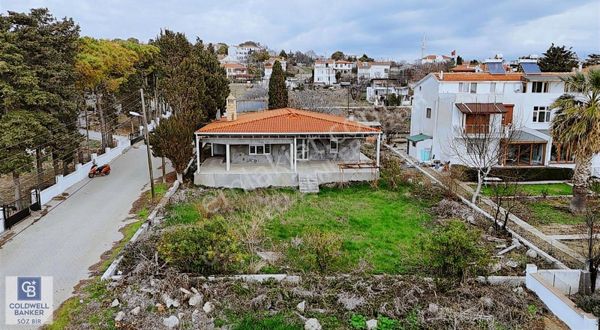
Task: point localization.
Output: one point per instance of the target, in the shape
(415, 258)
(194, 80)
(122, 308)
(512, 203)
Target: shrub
(206, 248)
(323, 249)
(453, 251)
(358, 321)
(391, 173)
(589, 303)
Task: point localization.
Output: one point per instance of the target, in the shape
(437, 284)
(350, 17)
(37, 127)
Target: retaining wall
(543, 283)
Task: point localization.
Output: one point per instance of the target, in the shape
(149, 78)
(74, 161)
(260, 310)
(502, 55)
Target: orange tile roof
(286, 121)
(479, 76)
(233, 65)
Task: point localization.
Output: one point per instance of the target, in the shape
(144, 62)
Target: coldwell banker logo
(28, 288)
(28, 300)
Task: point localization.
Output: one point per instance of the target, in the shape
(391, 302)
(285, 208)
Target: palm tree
(577, 121)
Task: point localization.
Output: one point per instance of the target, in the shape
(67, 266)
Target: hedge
(522, 173)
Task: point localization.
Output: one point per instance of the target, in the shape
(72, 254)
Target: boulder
(208, 307)
(196, 299)
(372, 324)
(531, 253)
(169, 301)
(433, 308)
(511, 263)
(115, 303)
(301, 307)
(312, 324)
(171, 322)
(487, 302)
(136, 310)
(120, 316)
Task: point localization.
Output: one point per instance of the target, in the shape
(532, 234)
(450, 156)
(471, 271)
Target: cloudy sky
(384, 29)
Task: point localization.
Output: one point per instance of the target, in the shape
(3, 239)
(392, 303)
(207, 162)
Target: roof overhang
(481, 108)
(418, 138)
(286, 134)
(544, 78)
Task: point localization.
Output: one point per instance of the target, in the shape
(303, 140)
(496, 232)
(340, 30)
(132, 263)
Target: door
(425, 154)
(507, 117)
(302, 149)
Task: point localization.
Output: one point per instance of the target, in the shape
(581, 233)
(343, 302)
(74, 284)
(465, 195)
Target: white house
(373, 70)
(448, 105)
(236, 71)
(324, 72)
(269, 66)
(431, 59)
(240, 53)
(379, 89)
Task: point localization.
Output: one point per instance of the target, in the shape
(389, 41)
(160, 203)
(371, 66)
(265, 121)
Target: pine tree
(558, 59)
(278, 94)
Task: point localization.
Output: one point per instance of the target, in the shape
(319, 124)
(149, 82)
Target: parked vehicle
(99, 170)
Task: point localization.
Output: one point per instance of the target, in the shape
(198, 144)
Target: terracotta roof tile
(286, 120)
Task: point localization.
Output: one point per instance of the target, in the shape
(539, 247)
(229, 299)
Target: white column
(292, 156)
(294, 150)
(227, 160)
(378, 148)
(198, 151)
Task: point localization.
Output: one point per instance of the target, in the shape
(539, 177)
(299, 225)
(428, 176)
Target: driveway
(73, 235)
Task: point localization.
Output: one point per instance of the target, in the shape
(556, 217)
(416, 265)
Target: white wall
(553, 296)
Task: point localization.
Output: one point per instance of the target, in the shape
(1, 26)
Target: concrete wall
(249, 181)
(65, 182)
(553, 296)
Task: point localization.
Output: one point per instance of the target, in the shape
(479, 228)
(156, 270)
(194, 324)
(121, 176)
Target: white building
(446, 105)
(269, 66)
(240, 53)
(373, 70)
(325, 70)
(379, 89)
(431, 59)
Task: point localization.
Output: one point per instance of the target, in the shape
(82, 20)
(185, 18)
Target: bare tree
(506, 196)
(480, 142)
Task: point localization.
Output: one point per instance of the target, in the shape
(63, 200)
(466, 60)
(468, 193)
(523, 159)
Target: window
(562, 153)
(524, 87)
(473, 88)
(302, 149)
(539, 87)
(475, 146)
(493, 88)
(333, 146)
(428, 113)
(260, 149)
(541, 114)
(467, 87)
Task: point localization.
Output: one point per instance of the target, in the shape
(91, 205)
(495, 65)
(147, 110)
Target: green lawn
(550, 189)
(379, 226)
(549, 211)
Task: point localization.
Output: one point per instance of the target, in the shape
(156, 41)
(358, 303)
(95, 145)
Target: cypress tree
(278, 94)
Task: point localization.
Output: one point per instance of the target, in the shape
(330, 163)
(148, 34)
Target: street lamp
(147, 140)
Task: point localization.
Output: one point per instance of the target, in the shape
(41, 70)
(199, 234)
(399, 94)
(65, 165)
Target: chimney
(231, 109)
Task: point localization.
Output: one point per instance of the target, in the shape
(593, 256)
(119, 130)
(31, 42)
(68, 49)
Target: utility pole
(147, 140)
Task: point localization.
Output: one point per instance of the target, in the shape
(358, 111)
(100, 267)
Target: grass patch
(550, 189)
(549, 211)
(274, 322)
(377, 225)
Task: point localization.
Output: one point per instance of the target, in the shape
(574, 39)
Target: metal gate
(20, 209)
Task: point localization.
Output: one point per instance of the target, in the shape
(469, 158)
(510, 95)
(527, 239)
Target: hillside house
(373, 70)
(513, 103)
(283, 148)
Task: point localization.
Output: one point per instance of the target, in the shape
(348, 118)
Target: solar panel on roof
(530, 68)
(495, 68)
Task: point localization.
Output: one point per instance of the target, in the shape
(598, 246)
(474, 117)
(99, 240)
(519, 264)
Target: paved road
(73, 236)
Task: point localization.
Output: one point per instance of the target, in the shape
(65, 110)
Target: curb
(112, 269)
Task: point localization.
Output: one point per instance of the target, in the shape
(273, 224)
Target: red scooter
(99, 170)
